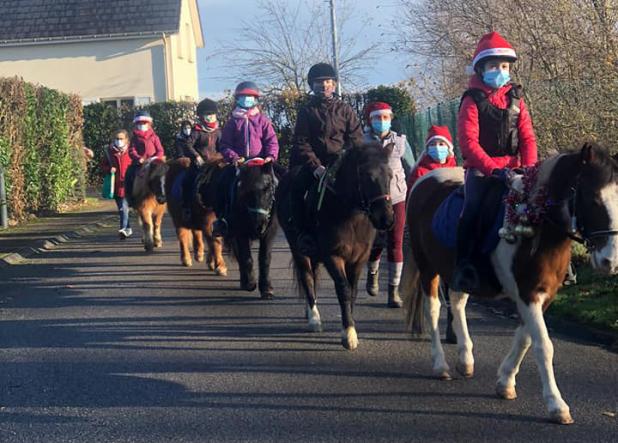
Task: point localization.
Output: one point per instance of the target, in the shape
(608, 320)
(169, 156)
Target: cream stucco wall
(94, 70)
(183, 52)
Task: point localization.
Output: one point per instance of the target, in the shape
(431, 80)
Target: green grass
(593, 301)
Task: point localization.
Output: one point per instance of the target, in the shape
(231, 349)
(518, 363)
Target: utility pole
(333, 25)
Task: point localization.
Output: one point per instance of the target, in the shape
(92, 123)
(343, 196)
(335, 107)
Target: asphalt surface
(100, 342)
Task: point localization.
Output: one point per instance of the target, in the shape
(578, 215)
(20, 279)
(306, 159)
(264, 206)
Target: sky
(221, 19)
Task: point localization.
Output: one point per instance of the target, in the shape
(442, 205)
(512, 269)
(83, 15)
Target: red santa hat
(377, 108)
(441, 133)
(493, 45)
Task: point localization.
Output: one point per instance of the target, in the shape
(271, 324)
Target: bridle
(366, 202)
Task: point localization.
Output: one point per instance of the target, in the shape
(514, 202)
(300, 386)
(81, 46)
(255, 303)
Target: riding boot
(394, 278)
(373, 274)
(465, 276)
(394, 300)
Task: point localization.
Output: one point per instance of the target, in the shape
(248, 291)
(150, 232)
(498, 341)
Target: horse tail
(410, 289)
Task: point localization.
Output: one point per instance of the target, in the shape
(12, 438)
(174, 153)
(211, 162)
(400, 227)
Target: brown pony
(355, 206)
(149, 200)
(202, 217)
(580, 192)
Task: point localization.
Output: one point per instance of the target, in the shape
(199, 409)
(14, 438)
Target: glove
(503, 174)
(319, 172)
(239, 161)
(199, 160)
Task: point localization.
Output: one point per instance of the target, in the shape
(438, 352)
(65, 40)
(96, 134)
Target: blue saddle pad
(446, 218)
(177, 186)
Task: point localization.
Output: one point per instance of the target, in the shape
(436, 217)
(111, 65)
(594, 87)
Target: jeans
(123, 211)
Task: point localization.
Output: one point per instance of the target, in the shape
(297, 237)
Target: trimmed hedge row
(40, 147)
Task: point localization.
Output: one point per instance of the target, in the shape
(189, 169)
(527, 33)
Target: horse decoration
(252, 216)
(149, 200)
(202, 214)
(572, 196)
(351, 208)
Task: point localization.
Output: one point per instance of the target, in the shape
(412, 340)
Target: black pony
(253, 217)
(352, 208)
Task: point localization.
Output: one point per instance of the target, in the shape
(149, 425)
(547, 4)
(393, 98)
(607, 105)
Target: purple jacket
(248, 135)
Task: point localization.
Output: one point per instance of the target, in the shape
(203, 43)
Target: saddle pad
(177, 186)
(446, 219)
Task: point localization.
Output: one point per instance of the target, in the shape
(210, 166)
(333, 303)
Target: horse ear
(587, 153)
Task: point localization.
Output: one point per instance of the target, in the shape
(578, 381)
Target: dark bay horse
(580, 193)
(252, 216)
(149, 200)
(357, 204)
(202, 216)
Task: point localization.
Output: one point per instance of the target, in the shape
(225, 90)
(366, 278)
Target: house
(116, 51)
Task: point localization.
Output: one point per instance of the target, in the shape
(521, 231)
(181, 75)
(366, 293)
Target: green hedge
(102, 120)
(40, 147)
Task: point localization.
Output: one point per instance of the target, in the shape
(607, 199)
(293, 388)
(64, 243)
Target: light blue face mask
(380, 126)
(496, 78)
(246, 101)
(438, 153)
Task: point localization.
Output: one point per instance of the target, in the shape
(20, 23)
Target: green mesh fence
(416, 126)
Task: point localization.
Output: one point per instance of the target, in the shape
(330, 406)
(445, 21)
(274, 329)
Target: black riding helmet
(321, 71)
(206, 107)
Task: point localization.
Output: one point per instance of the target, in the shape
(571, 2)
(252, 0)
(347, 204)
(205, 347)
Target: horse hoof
(211, 265)
(443, 375)
(316, 326)
(199, 258)
(221, 271)
(561, 417)
(187, 263)
(395, 304)
(349, 339)
(465, 370)
(506, 392)
(249, 287)
(158, 244)
(148, 247)
(266, 295)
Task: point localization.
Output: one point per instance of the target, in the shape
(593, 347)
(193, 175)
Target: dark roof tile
(33, 19)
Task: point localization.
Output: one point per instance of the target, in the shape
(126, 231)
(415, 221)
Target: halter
(585, 238)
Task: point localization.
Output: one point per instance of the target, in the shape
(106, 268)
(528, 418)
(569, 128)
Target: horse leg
(543, 349)
(264, 258)
(242, 250)
(432, 313)
(183, 239)
(353, 272)
(306, 276)
(198, 245)
(336, 269)
(505, 387)
(465, 362)
(146, 216)
(215, 247)
(157, 220)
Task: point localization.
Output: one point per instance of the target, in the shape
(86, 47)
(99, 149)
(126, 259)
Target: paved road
(102, 343)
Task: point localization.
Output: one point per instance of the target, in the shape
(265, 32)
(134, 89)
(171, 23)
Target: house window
(141, 101)
(189, 39)
(119, 102)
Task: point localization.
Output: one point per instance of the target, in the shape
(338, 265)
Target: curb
(46, 244)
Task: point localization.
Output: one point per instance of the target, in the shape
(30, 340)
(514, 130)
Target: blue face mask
(380, 126)
(438, 153)
(496, 78)
(246, 101)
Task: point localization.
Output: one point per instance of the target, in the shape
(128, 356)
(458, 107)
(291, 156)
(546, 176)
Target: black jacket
(323, 129)
(203, 143)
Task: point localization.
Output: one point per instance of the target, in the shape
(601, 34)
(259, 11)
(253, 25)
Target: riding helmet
(206, 107)
(321, 71)
(247, 88)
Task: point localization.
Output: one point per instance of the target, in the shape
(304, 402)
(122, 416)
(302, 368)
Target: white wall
(183, 52)
(94, 70)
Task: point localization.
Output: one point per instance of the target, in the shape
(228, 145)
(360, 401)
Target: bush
(102, 120)
(40, 147)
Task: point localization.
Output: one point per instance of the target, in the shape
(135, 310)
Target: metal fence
(416, 126)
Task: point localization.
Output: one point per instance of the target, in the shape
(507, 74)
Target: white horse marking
(349, 338)
(465, 363)
(606, 259)
(432, 313)
(543, 349)
(314, 320)
(509, 368)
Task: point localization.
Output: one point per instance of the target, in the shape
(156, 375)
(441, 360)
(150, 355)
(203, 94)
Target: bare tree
(568, 55)
(280, 45)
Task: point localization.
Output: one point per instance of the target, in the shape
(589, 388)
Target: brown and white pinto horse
(202, 217)
(149, 200)
(582, 194)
